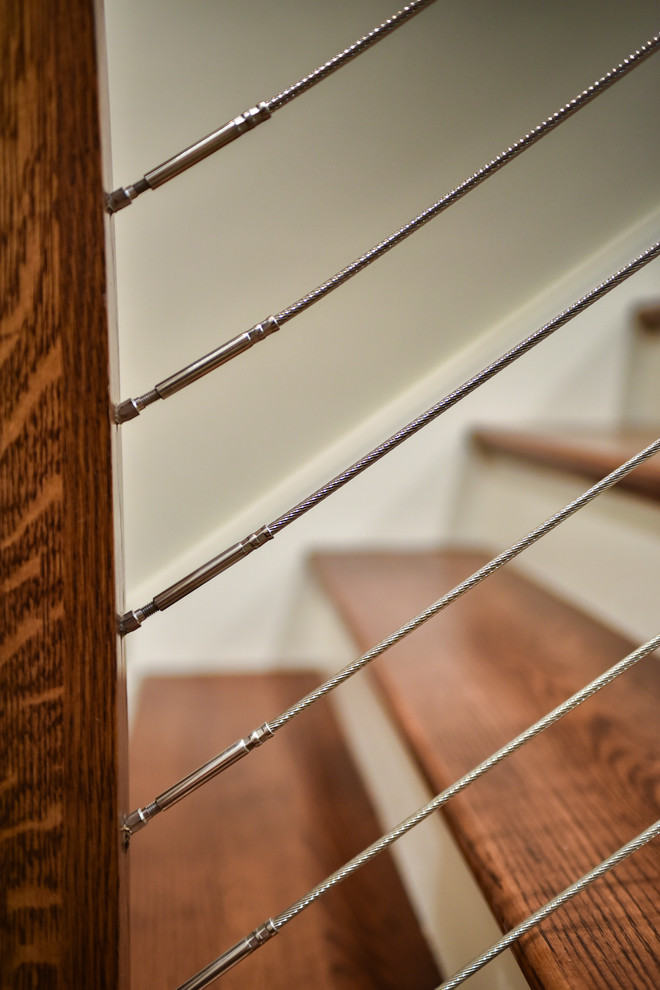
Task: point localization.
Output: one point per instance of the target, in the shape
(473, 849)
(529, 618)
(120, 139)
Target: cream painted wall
(252, 229)
(259, 612)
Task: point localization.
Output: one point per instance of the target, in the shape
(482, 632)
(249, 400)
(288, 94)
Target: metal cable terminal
(130, 408)
(223, 963)
(238, 750)
(141, 817)
(235, 346)
(125, 195)
(247, 945)
(133, 619)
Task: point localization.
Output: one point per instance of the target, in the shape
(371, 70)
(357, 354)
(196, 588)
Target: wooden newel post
(62, 899)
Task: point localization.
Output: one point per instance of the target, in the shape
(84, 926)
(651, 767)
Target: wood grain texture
(587, 453)
(248, 844)
(469, 681)
(59, 788)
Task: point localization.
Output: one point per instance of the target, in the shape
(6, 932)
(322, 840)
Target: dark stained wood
(60, 800)
(250, 843)
(648, 317)
(590, 454)
(469, 681)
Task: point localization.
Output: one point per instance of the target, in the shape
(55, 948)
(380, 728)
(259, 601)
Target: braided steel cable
(133, 619)
(652, 832)
(547, 125)
(248, 945)
(138, 819)
(130, 408)
(389, 25)
(492, 761)
(460, 589)
(125, 195)
(465, 389)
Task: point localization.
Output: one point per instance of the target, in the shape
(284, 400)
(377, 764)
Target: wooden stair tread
(247, 845)
(590, 454)
(469, 681)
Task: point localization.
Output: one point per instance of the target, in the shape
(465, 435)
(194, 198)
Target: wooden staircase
(459, 688)
(588, 454)
(473, 678)
(216, 865)
(252, 842)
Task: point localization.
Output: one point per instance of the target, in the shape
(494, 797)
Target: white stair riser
(453, 914)
(642, 398)
(606, 558)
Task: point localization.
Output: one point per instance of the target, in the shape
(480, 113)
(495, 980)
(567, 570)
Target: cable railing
(537, 917)
(133, 619)
(125, 195)
(130, 408)
(250, 943)
(49, 453)
(141, 817)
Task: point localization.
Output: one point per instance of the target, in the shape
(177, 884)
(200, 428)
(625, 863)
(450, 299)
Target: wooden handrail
(62, 908)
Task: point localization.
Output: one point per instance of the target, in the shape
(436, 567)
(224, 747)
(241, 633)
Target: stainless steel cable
(389, 25)
(547, 125)
(479, 575)
(409, 823)
(466, 388)
(247, 945)
(133, 619)
(125, 195)
(556, 902)
(130, 408)
(138, 819)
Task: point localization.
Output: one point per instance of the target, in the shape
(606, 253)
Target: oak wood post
(62, 712)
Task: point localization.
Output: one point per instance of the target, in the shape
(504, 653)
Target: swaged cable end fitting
(223, 963)
(133, 620)
(130, 408)
(142, 816)
(125, 195)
